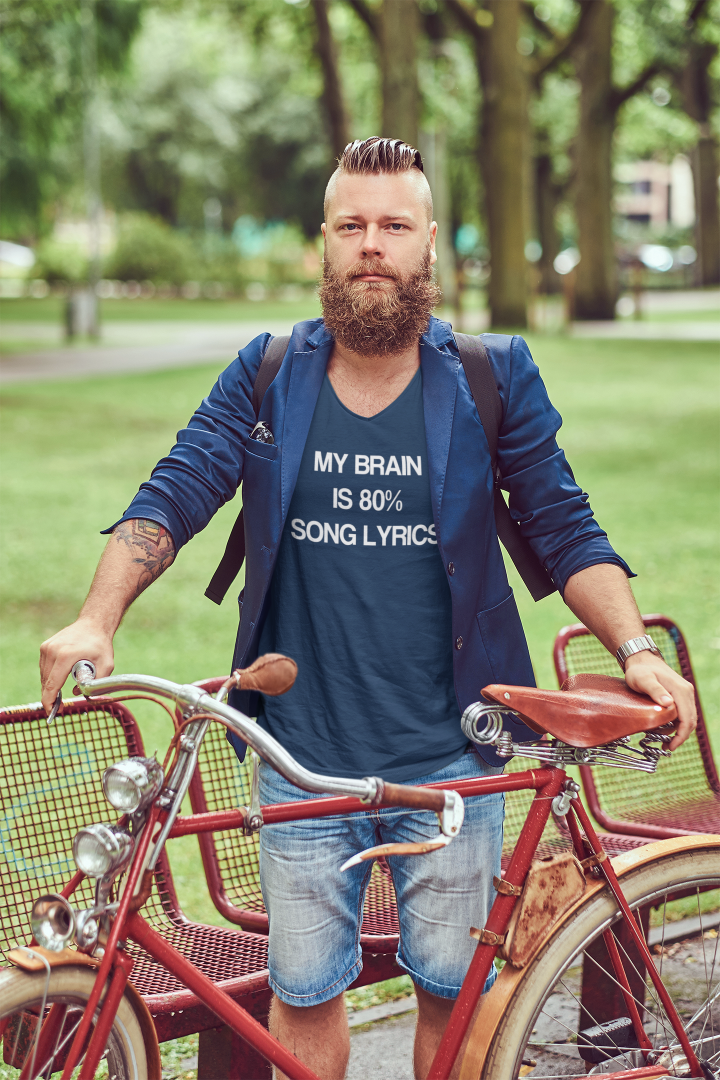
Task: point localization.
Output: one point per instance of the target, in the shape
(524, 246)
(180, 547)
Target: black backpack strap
(272, 359)
(483, 388)
(234, 556)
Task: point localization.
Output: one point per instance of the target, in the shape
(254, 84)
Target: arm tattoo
(151, 546)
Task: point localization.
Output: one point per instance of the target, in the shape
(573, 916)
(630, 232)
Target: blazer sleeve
(205, 466)
(553, 512)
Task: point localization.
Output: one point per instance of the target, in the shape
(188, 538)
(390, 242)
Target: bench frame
(648, 830)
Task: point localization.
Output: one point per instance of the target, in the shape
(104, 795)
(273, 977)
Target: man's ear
(433, 234)
(323, 230)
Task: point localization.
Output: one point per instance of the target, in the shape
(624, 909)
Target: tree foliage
(41, 97)
(250, 101)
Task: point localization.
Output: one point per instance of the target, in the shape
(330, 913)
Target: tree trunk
(707, 228)
(434, 151)
(504, 131)
(399, 28)
(332, 98)
(698, 104)
(596, 287)
(546, 199)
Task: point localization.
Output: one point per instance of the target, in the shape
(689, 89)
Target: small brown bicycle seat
(589, 710)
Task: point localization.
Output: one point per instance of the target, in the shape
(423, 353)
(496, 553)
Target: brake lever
(397, 849)
(450, 819)
(56, 708)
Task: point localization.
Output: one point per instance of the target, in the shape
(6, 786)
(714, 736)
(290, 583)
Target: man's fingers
(664, 686)
(59, 653)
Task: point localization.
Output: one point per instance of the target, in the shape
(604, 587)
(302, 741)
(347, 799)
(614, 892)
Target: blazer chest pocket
(255, 449)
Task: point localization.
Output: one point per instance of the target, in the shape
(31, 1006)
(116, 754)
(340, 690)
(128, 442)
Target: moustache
(371, 266)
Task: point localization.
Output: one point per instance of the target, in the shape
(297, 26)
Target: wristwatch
(636, 645)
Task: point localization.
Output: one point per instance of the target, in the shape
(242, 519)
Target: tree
(695, 84)
(502, 150)
(600, 102)
(554, 125)
(332, 96)
(395, 28)
(399, 28)
(41, 99)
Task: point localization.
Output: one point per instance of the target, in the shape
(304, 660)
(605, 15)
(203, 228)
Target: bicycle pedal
(610, 1039)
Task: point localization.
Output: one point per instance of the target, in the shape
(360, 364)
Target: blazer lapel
(306, 376)
(440, 378)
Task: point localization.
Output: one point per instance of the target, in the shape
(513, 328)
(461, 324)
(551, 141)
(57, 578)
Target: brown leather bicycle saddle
(589, 710)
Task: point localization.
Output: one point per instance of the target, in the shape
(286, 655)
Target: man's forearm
(137, 553)
(601, 598)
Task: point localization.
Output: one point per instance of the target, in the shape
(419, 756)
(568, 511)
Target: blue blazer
(214, 454)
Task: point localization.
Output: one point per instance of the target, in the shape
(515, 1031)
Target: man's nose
(372, 242)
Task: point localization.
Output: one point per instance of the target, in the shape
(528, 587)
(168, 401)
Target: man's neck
(368, 384)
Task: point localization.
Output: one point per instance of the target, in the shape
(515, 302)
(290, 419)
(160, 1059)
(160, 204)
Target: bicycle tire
(515, 1009)
(22, 992)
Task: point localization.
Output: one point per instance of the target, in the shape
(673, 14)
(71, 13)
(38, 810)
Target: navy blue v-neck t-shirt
(360, 600)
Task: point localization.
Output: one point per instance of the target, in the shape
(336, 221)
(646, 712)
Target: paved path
(131, 347)
(682, 330)
(385, 1051)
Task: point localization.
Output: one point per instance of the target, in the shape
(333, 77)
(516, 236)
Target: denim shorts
(315, 911)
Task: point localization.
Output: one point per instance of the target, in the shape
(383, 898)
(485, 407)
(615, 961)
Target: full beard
(377, 318)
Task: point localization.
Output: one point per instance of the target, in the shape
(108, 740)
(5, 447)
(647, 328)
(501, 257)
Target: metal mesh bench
(50, 786)
(231, 859)
(683, 797)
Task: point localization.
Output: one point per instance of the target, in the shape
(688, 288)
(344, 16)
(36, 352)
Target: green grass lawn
(641, 433)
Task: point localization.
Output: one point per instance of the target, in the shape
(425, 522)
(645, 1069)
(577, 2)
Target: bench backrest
(51, 786)
(684, 793)
(231, 859)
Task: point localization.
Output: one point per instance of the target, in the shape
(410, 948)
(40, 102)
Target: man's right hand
(83, 640)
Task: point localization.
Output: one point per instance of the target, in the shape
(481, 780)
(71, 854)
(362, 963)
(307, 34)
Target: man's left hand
(647, 674)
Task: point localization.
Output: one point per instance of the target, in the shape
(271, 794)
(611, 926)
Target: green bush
(149, 250)
(57, 261)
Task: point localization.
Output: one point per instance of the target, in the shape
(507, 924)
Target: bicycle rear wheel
(22, 997)
(535, 1015)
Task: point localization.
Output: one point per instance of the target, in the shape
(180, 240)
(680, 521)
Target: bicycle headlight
(102, 849)
(53, 922)
(132, 784)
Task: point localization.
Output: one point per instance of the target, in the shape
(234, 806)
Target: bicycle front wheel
(531, 1027)
(24, 996)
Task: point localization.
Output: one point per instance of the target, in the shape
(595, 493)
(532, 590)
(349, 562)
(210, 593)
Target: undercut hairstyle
(376, 155)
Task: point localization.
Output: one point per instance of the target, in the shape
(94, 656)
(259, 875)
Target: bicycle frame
(547, 783)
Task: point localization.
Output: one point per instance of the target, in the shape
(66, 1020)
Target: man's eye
(350, 228)
(396, 226)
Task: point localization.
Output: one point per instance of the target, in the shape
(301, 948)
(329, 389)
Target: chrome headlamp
(132, 784)
(102, 849)
(53, 922)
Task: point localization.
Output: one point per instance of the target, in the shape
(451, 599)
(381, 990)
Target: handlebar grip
(422, 798)
(271, 674)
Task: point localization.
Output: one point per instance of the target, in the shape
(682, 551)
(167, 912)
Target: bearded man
(373, 561)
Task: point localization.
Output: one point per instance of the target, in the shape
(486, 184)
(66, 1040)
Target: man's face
(380, 217)
(377, 293)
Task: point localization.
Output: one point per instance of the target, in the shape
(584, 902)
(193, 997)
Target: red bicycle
(580, 991)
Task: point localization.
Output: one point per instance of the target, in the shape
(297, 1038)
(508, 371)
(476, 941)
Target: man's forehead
(378, 195)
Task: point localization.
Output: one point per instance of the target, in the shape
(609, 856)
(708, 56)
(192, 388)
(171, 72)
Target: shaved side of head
(374, 156)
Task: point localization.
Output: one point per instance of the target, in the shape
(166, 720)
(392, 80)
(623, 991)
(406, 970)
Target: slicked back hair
(376, 155)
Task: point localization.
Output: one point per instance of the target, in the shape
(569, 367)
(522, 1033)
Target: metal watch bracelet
(635, 645)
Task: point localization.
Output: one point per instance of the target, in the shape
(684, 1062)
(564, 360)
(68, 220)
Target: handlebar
(193, 698)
